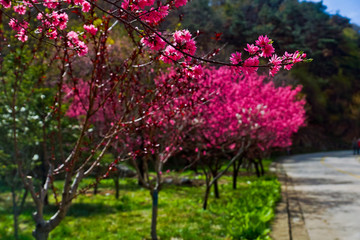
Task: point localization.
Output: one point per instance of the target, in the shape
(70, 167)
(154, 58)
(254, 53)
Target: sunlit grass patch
(244, 213)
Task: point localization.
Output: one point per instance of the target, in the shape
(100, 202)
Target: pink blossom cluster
(136, 5)
(154, 42)
(54, 19)
(263, 48)
(52, 22)
(183, 43)
(91, 29)
(20, 28)
(180, 47)
(245, 108)
(153, 16)
(73, 41)
(5, 3)
(287, 61)
(20, 9)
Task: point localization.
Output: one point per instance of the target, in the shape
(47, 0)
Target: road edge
(289, 222)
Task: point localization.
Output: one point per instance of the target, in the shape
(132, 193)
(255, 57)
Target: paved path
(321, 197)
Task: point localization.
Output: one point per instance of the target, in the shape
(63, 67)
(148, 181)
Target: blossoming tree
(109, 83)
(243, 114)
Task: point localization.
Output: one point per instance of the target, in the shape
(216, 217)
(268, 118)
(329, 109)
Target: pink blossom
(54, 17)
(263, 41)
(86, 6)
(154, 42)
(171, 54)
(194, 71)
(78, 2)
(275, 61)
(155, 16)
(91, 29)
(232, 146)
(287, 60)
(273, 70)
(20, 9)
(125, 4)
(182, 36)
(190, 47)
(21, 35)
(5, 3)
(73, 38)
(63, 19)
(39, 16)
(250, 64)
(297, 57)
(288, 66)
(252, 49)
(267, 50)
(79, 46)
(179, 3)
(52, 33)
(51, 4)
(235, 58)
(144, 3)
(14, 24)
(82, 49)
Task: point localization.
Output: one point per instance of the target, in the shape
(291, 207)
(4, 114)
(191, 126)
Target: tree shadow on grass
(92, 209)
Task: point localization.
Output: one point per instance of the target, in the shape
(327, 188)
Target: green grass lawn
(244, 213)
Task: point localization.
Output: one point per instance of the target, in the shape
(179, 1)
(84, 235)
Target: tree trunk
(141, 170)
(15, 214)
(96, 188)
(40, 233)
(216, 189)
(261, 168)
(154, 214)
(234, 179)
(236, 168)
(256, 165)
(235, 173)
(206, 197)
(117, 186)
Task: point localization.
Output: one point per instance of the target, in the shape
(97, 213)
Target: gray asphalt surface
(327, 187)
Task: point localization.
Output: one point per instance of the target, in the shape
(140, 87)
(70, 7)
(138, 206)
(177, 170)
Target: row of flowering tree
(242, 115)
(123, 103)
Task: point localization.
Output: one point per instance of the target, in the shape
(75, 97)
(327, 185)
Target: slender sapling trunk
(117, 186)
(155, 197)
(216, 189)
(15, 213)
(206, 197)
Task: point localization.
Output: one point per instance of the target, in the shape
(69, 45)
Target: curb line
(289, 223)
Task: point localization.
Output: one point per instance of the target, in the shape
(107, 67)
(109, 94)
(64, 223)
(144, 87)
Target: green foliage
(244, 213)
(19, 109)
(247, 216)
